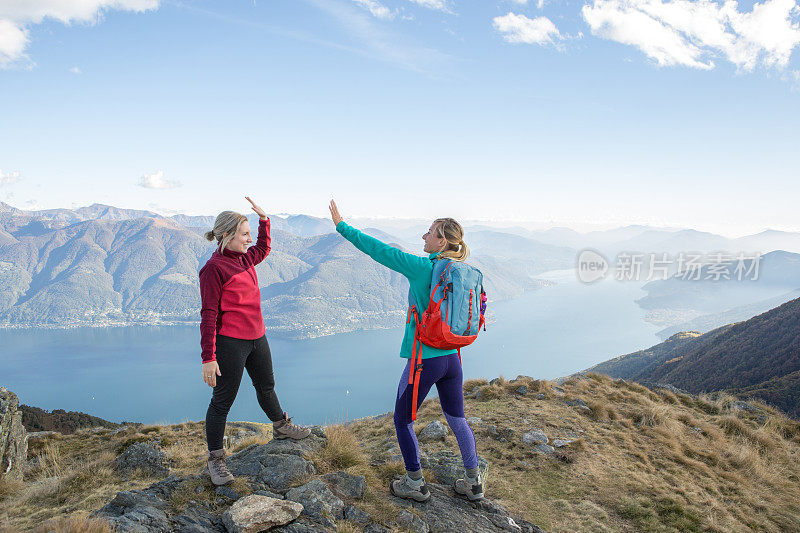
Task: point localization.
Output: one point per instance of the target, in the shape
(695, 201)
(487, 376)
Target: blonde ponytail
(452, 232)
(225, 227)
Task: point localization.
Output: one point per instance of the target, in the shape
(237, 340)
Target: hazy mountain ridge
(64, 270)
(759, 357)
(676, 300)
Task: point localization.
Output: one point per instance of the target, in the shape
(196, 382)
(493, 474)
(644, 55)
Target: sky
(586, 114)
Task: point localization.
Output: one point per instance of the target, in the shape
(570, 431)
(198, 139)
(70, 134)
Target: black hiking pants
(233, 356)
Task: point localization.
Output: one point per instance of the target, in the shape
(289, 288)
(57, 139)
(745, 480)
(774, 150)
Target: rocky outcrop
(445, 512)
(13, 437)
(283, 493)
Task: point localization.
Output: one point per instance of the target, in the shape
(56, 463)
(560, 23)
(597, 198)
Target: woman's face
(433, 243)
(242, 239)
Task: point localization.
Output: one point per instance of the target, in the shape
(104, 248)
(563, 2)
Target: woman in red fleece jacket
(232, 332)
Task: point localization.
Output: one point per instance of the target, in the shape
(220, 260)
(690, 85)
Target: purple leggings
(445, 372)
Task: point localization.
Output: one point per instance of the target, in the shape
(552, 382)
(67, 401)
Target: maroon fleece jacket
(231, 301)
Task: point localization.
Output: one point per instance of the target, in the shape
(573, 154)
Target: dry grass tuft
(471, 384)
(342, 451)
(74, 524)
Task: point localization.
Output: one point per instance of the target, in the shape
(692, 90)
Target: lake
(152, 374)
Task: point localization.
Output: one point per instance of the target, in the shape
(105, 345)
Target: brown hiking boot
(217, 469)
(284, 429)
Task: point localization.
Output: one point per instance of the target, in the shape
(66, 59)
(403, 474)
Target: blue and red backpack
(454, 316)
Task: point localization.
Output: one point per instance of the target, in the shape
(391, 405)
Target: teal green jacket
(418, 270)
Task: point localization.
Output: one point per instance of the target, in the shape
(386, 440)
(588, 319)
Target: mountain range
(759, 357)
(101, 265)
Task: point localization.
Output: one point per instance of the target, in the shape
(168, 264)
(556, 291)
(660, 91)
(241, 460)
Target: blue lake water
(152, 374)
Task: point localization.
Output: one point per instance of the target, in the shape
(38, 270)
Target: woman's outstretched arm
(409, 265)
(261, 248)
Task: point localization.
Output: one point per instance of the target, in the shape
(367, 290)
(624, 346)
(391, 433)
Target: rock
(354, 514)
(447, 466)
(433, 431)
(583, 408)
(346, 485)
(558, 390)
(501, 435)
(411, 522)
(535, 436)
(374, 527)
(197, 519)
(745, 406)
(444, 512)
(119, 430)
(265, 492)
(227, 492)
(560, 443)
(495, 381)
(135, 512)
(545, 449)
(302, 525)
(302, 448)
(576, 402)
(255, 513)
(541, 396)
(478, 394)
(41, 435)
(474, 420)
(144, 456)
(277, 466)
(13, 437)
(319, 503)
(522, 389)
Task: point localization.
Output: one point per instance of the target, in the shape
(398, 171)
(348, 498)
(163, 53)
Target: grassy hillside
(640, 460)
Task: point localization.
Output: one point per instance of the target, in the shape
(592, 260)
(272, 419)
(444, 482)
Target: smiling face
(433, 242)
(242, 238)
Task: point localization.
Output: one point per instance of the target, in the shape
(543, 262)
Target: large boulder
(255, 513)
(279, 464)
(319, 503)
(145, 457)
(13, 437)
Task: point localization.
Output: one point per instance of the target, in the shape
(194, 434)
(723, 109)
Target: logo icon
(591, 266)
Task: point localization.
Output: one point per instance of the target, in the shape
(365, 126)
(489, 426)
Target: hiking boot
(472, 488)
(284, 429)
(217, 469)
(405, 487)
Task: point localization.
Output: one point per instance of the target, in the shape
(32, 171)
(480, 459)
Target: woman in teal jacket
(444, 240)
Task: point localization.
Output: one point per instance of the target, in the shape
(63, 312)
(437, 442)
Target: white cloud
(377, 9)
(8, 178)
(17, 15)
(76, 70)
(694, 33)
(156, 180)
(520, 29)
(438, 5)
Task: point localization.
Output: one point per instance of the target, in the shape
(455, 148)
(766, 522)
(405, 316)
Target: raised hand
(260, 212)
(335, 213)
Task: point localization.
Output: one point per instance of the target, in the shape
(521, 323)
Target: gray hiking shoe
(284, 429)
(472, 488)
(405, 487)
(217, 469)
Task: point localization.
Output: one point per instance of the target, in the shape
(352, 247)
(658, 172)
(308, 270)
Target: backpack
(454, 316)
